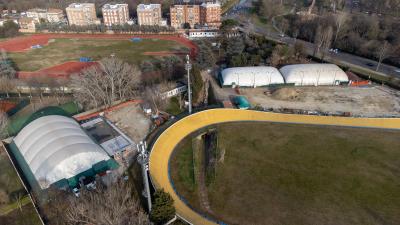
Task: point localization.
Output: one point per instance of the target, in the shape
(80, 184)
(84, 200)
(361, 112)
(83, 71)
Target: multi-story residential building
(149, 14)
(37, 14)
(207, 14)
(48, 15)
(55, 16)
(185, 14)
(117, 14)
(211, 14)
(27, 24)
(82, 14)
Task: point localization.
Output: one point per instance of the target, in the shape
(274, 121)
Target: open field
(274, 171)
(71, 49)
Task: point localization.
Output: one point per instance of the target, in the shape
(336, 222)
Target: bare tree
(311, 7)
(340, 20)
(7, 85)
(6, 69)
(103, 84)
(323, 39)
(114, 205)
(3, 124)
(383, 54)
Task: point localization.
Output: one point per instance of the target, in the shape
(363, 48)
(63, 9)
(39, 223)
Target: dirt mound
(286, 94)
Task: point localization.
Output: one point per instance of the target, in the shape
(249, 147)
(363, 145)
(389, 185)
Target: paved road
(239, 13)
(169, 139)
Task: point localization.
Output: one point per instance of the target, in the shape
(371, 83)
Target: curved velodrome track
(165, 144)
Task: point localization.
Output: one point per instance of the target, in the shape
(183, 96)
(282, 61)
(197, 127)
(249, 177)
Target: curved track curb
(166, 142)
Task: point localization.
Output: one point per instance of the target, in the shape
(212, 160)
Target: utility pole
(143, 160)
(188, 67)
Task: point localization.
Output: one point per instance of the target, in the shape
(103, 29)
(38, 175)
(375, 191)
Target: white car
(76, 192)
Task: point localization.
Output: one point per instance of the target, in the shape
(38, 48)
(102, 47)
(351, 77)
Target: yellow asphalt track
(165, 144)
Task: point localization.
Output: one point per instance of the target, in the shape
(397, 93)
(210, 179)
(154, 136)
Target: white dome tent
(55, 148)
(251, 76)
(313, 74)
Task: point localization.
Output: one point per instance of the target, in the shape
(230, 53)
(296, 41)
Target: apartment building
(26, 25)
(117, 14)
(207, 14)
(55, 16)
(149, 14)
(210, 14)
(48, 15)
(37, 14)
(181, 14)
(82, 14)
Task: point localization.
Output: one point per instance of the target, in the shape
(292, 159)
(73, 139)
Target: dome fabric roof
(251, 76)
(313, 74)
(56, 147)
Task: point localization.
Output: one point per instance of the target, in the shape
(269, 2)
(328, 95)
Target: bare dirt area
(132, 121)
(373, 101)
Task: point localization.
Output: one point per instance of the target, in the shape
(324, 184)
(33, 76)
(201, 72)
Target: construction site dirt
(369, 101)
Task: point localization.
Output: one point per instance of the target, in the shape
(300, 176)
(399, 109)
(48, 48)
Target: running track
(24, 43)
(166, 142)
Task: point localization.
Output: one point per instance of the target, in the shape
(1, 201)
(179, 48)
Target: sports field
(62, 50)
(272, 173)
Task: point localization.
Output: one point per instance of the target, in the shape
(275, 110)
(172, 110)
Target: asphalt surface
(239, 13)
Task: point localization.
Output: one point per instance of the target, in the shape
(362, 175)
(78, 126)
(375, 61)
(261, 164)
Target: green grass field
(63, 50)
(298, 174)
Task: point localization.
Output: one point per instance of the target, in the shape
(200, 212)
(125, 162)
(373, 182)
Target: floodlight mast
(188, 67)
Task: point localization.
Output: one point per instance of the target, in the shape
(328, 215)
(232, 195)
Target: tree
(311, 7)
(383, 53)
(103, 84)
(113, 205)
(323, 39)
(186, 26)
(9, 29)
(6, 68)
(340, 20)
(3, 124)
(205, 57)
(163, 207)
(197, 83)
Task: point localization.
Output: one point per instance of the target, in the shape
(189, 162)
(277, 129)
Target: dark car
(370, 64)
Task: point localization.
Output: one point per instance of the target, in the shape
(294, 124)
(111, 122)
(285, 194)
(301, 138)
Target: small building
(257, 76)
(53, 150)
(314, 74)
(193, 34)
(172, 90)
(27, 25)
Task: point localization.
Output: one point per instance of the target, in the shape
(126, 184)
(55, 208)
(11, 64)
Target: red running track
(60, 71)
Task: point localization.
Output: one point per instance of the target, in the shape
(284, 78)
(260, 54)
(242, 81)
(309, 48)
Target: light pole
(188, 67)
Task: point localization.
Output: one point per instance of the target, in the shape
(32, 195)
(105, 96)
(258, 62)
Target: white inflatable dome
(251, 76)
(313, 74)
(56, 147)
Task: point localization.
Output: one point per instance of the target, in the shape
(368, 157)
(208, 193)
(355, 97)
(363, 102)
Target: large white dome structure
(257, 76)
(55, 148)
(313, 74)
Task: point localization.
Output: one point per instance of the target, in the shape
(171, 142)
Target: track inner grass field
(62, 50)
(274, 173)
